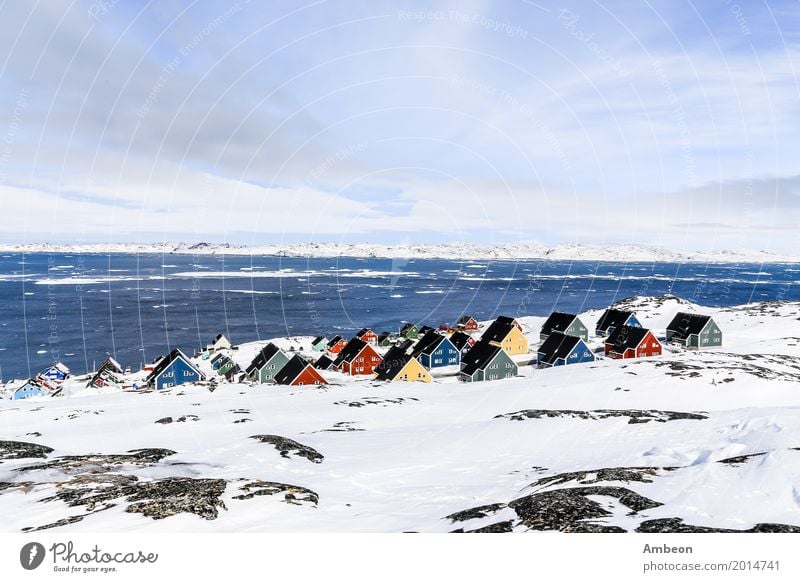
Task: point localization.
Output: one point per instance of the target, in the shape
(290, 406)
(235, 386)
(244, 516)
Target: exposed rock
(188, 417)
(293, 494)
(241, 420)
(569, 509)
(287, 446)
(376, 401)
(168, 497)
(476, 512)
(499, 527)
(740, 458)
(21, 450)
(676, 525)
(165, 420)
(621, 474)
(633, 416)
(139, 457)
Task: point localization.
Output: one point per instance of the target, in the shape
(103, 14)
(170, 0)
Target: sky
(668, 123)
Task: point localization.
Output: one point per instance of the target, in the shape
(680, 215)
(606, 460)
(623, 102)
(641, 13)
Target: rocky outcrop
(288, 447)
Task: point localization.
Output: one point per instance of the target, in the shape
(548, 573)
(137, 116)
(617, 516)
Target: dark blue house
(560, 349)
(434, 350)
(614, 318)
(174, 370)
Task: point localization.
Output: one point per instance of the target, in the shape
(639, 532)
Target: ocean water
(81, 308)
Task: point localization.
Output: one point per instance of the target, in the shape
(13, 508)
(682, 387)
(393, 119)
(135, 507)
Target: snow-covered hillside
(450, 251)
(685, 441)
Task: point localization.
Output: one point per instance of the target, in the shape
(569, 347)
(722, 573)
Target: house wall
(177, 373)
(413, 372)
(710, 337)
(266, 375)
(309, 377)
(515, 342)
(578, 329)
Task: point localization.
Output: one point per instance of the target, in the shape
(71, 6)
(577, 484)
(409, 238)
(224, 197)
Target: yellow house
(413, 372)
(505, 334)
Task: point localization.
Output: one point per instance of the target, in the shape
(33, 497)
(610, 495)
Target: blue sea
(80, 309)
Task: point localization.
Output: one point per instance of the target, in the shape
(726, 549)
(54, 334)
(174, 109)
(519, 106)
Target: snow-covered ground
(450, 251)
(686, 440)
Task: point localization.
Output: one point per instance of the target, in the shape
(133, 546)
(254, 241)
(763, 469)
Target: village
(469, 350)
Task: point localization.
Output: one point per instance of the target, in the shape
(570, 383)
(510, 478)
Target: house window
(169, 375)
(492, 376)
(187, 373)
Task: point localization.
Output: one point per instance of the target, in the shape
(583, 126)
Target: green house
(694, 331)
(266, 365)
(319, 343)
(566, 323)
(409, 331)
(484, 362)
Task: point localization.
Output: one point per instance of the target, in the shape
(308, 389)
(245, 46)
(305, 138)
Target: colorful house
(632, 342)
(367, 335)
(506, 320)
(30, 389)
(462, 341)
(56, 373)
(566, 323)
(224, 366)
(398, 366)
(504, 333)
(220, 342)
(107, 375)
(612, 319)
(434, 350)
(324, 363)
(299, 372)
(336, 344)
(694, 331)
(358, 358)
(174, 370)
(409, 331)
(386, 339)
(467, 323)
(560, 349)
(319, 343)
(486, 361)
(266, 364)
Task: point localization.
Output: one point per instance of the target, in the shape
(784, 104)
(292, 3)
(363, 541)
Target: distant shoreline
(447, 251)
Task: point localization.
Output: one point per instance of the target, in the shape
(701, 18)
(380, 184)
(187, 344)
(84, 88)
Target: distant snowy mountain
(452, 251)
(689, 441)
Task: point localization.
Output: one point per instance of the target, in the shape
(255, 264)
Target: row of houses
(412, 353)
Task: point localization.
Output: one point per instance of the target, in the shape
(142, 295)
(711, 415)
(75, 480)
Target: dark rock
(676, 525)
(139, 457)
(165, 420)
(622, 474)
(499, 527)
(293, 494)
(633, 416)
(476, 512)
(286, 446)
(740, 458)
(376, 401)
(241, 420)
(188, 417)
(21, 450)
(174, 495)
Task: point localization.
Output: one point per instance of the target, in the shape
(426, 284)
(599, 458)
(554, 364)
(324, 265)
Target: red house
(632, 342)
(358, 358)
(467, 323)
(298, 372)
(336, 345)
(367, 335)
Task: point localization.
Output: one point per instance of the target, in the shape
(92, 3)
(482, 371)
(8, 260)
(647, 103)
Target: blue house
(57, 372)
(29, 390)
(434, 350)
(174, 370)
(560, 349)
(614, 318)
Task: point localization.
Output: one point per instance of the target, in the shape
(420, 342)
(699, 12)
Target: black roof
(383, 335)
(334, 340)
(264, 356)
(323, 363)
(318, 339)
(233, 372)
(350, 351)
(362, 331)
(406, 345)
(166, 362)
(498, 330)
(392, 363)
(291, 370)
(464, 319)
(218, 337)
(558, 321)
(478, 357)
(219, 356)
(556, 346)
(685, 324)
(428, 343)
(460, 339)
(625, 337)
(426, 329)
(613, 318)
